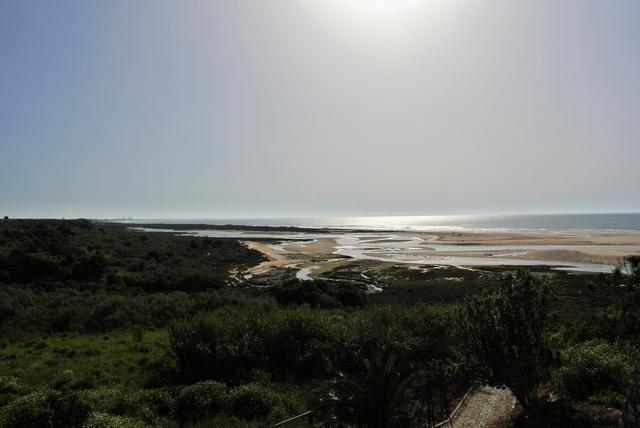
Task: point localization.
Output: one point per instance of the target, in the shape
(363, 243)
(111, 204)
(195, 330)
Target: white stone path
(485, 407)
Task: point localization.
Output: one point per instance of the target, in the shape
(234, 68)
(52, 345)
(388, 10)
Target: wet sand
(587, 247)
(532, 238)
(275, 258)
(605, 248)
(580, 251)
(317, 246)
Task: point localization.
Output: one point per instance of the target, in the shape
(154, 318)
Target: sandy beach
(532, 238)
(275, 258)
(570, 247)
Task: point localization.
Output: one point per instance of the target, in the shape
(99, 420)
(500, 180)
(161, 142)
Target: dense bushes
(61, 310)
(9, 389)
(319, 294)
(301, 343)
(109, 407)
(79, 253)
(105, 420)
(256, 401)
(147, 406)
(209, 400)
(611, 324)
(201, 401)
(45, 408)
(595, 370)
(288, 343)
(601, 346)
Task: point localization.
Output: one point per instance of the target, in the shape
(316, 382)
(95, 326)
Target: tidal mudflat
(433, 268)
(572, 251)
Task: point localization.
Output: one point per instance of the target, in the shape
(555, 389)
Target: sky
(283, 108)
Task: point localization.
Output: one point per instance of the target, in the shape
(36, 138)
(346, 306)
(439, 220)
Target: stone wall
(631, 415)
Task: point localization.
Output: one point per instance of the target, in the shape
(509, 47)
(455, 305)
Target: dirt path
(486, 407)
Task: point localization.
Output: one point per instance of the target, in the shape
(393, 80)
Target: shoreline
(437, 230)
(301, 246)
(534, 238)
(274, 258)
(556, 237)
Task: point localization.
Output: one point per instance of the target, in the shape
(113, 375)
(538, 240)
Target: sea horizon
(596, 222)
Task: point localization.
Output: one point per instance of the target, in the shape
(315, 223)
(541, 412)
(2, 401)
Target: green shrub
(9, 390)
(146, 405)
(594, 370)
(611, 324)
(225, 421)
(319, 294)
(253, 401)
(45, 408)
(9, 385)
(69, 410)
(105, 420)
(201, 401)
(286, 343)
(111, 400)
(300, 343)
(504, 333)
(28, 411)
(154, 403)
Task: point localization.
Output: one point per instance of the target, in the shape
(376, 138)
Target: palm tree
(377, 396)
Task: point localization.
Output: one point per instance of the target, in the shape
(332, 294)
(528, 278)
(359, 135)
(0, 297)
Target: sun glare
(381, 8)
(381, 22)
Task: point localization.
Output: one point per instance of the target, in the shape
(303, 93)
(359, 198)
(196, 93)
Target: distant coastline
(614, 222)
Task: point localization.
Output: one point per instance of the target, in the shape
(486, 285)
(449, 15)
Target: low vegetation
(102, 326)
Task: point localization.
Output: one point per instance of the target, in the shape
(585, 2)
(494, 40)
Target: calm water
(629, 222)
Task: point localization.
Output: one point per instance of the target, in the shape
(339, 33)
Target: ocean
(616, 222)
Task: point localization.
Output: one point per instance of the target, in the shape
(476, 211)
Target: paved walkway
(486, 407)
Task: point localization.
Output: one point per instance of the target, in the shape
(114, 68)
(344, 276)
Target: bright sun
(384, 21)
(381, 8)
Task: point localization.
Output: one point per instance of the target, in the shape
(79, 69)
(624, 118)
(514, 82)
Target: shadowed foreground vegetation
(101, 326)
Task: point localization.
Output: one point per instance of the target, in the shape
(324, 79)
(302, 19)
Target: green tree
(504, 333)
(631, 415)
(628, 273)
(595, 370)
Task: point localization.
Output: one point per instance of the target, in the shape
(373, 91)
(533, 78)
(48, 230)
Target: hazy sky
(238, 108)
